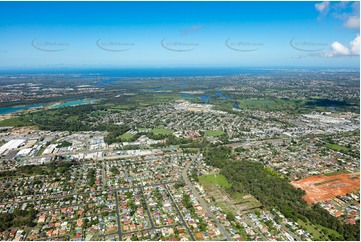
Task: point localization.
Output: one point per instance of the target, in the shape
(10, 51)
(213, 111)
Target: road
(118, 216)
(103, 176)
(146, 207)
(179, 213)
(288, 231)
(203, 203)
(256, 142)
(256, 229)
(80, 174)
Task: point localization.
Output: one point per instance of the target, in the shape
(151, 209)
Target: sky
(179, 34)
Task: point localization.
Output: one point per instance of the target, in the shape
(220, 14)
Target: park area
(216, 186)
(217, 180)
(162, 131)
(214, 133)
(127, 136)
(321, 187)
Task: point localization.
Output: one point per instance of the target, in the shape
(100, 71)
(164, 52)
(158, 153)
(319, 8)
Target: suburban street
(118, 217)
(179, 213)
(203, 203)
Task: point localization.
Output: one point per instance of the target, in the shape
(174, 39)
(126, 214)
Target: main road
(204, 204)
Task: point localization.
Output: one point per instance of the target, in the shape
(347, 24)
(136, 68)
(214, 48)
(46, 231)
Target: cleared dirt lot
(321, 188)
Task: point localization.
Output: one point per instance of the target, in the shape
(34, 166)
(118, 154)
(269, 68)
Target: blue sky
(154, 34)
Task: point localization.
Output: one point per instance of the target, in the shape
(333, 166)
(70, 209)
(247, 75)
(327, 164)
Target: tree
(230, 216)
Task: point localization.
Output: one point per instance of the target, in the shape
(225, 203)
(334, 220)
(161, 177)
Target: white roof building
(12, 144)
(24, 152)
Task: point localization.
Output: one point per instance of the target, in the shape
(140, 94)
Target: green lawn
(315, 233)
(336, 147)
(214, 179)
(213, 133)
(162, 131)
(127, 136)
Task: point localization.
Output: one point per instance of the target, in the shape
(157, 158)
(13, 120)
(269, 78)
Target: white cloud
(322, 7)
(355, 45)
(348, 12)
(338, 49)
(353, 22)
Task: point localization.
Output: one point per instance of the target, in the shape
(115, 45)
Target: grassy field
(162, 131)
(266, 104)
(216, 185)
(215, 180)
(327, 230)
(73, 118)
(297, 105)
(213, 133)
(14, 122)
(96, 113)
(310, 228)
(127, 136)
(336, 147)
(316, 230)
(246, 201)
(120, 107)
(336, 173)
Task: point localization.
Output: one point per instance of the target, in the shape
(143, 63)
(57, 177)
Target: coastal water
(235, 105)
(187, 95)
(205, 97)
(333, 109)
(221, 95)
(9, 110)
(146, 72)
(74, 103)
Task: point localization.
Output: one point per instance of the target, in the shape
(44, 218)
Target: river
(13, 109)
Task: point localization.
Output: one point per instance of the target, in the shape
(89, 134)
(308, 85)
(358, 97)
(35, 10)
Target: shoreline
(45, 106)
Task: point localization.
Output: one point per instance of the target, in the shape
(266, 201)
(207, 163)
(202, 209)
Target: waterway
(13, 109)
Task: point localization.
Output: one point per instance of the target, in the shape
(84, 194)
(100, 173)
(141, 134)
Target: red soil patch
(321, 188)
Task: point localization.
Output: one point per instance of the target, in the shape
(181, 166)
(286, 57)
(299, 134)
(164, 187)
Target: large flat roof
(12, 144)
